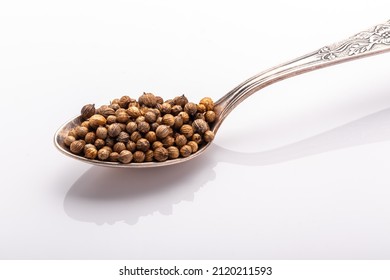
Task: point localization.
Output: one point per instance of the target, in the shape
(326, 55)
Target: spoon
(375, 40)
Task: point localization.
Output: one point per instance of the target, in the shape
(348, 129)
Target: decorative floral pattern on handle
(360, 43)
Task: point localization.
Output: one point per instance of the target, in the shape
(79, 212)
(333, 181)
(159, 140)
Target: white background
(297, 172)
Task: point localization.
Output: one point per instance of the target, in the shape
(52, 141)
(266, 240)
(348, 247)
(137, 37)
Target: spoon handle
(373, 41)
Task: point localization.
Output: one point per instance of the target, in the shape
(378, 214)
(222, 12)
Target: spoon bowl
(373, 41)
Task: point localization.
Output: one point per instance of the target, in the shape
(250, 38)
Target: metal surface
(375, 40)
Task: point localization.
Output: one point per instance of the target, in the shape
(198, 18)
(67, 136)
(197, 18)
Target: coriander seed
(124, 101)
(210, 116)
(114, 156)
(87, 111)
(99, 143)
(114, 130)
(111, 119)
(160, 154)
(119, 147)
(180, 100)
(149, 155)
(106, 111)
(131, 146)
(77, 146)
(176, 109)
(90, 137)
(178, 122)
(103, 154)
(185, 151)
(73, 133)
(90, 152)
(201, 108)
(122, 117)
(190, 108)
(168, 141)
(150, 116)
(208, 103)
(101, 132)
(162, 131)
(143, 127)
(166, 108)
(131, 127)
(208, 136)
(69, 140)
(110, 142)
(173, 152)
(138, 157)
(197, 138)
(135, 136)
(199, 116)
(184, 116)
(157, 144)
(168, 120)
(114, 106)
(147, 99)
(151, 136)
(97, 120)
(200, 126)
(123, 137)
(85, 124)
(180, 140)
(143, 145)
(134, 112)
(81, 131)
(125, 156)
(194, 146)
(139, 119)
(187, 130)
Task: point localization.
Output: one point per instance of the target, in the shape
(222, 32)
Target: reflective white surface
(299, 171)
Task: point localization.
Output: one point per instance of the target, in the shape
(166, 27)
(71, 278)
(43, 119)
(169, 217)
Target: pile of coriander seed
(146, 130)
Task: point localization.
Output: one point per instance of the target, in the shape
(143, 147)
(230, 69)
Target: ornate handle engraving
(360, 43)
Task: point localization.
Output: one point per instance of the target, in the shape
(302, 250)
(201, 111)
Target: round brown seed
(90, 137)
(69, 140)
(208, 136)
(97, 120)
(90, 152)
(114, 156)
(77, 146)
(87, 111)
(168, 120)
(210, 116)
(200, 126)
(131, 127)
(81, 131)
(180, 140)
(119, 147)
(143, 145)
(149, 155)
(160, 154)
(125, 156)
(114, 130)
(185, 151)
(99, 143)
(138, 157)
(162, 131)
(103, 154)
(143, 127)
(194, 146)
(147, 99)
(187, 130)
(101, 132)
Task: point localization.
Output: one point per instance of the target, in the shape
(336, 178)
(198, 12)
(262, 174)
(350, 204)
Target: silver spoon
(375, 40)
